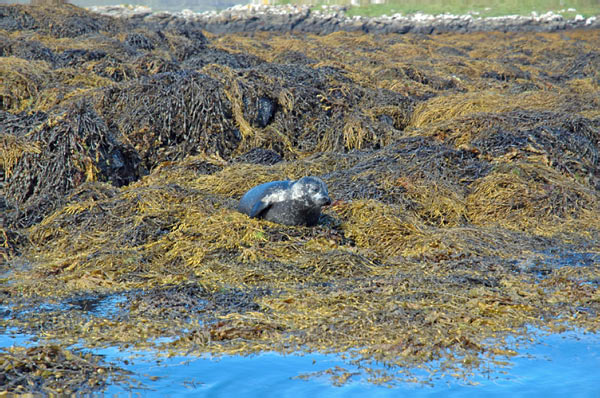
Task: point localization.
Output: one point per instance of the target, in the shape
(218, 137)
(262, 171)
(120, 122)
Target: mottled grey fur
(287, 202)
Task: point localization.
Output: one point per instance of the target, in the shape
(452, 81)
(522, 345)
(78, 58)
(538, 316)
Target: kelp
(463, 169)
(378, 280)
(50, 369)
(57, 156)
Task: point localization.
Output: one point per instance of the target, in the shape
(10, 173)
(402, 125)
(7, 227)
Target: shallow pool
(560, 365)
(565, 365)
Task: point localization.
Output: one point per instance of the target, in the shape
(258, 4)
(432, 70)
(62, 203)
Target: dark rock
(265, 109)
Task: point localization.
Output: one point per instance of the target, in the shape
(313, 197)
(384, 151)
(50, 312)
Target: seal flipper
(258, 208)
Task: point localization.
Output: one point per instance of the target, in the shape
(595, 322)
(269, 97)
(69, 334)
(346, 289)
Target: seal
(287, 202)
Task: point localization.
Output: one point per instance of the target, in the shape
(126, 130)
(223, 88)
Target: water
(156, 5)
(371, 7)
(559, 365)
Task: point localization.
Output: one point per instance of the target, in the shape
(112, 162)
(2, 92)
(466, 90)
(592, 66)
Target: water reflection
(557, 365)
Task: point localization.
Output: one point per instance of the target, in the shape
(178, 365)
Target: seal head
(287, 202)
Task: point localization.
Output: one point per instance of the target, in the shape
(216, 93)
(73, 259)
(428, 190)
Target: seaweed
(463, 168)
(58, 155)
(50, 369)
(64, 21)
(171, 115)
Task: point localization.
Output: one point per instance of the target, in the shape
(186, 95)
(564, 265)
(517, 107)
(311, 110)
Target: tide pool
(559, 365)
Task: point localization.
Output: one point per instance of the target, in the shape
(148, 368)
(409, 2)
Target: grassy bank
(460, 7)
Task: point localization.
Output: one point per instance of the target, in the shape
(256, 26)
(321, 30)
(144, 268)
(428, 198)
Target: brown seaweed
(464, 171)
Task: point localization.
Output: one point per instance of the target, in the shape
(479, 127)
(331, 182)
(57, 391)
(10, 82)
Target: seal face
(287, 202)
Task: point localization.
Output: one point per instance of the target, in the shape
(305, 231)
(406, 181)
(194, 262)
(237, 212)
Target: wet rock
(264, 109)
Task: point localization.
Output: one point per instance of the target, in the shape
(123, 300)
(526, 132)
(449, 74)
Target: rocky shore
(464, 170)
(251, 18)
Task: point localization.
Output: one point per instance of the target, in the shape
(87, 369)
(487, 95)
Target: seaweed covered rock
(221, 57)
(63, 21)
(59, 154)
(298, 110)
(22, 81)
(173, 115)
(42, 369)
(529, 196)
(566, 142)
(413, 173)
(26, 49)
(15, 18)
(259, 156)
(463, 171)
(13, 145)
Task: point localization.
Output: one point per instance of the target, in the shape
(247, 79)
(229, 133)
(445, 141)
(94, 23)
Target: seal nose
(326, 201)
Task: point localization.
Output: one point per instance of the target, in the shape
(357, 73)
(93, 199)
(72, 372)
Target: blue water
(563, 365)
(559, 365)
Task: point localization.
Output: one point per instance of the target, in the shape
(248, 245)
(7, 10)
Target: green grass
(484, 8)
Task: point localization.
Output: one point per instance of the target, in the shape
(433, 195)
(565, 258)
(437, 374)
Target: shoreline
(302, 19)
(464, 171)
